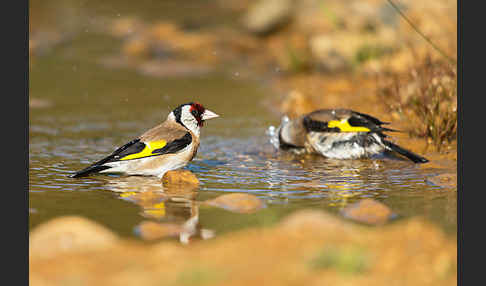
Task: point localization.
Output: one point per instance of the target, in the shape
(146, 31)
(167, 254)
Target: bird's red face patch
(197, 111)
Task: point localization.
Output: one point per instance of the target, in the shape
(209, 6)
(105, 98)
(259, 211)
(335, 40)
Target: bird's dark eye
(195, 112)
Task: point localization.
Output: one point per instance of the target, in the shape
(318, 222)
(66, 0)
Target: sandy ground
(306, 248)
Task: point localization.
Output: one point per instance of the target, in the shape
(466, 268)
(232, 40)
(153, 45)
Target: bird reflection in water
(171, 210)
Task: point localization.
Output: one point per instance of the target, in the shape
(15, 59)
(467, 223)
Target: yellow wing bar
(344, 126)
(147, 151)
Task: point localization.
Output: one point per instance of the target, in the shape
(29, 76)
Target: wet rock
(266, 16)
(150, 230)
(69, 234)
(239, 203)
(312, 219)
(368, 211)
(180, 178)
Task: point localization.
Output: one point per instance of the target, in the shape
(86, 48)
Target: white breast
(325, 145)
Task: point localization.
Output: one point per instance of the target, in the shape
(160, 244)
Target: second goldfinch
(168, 146)
(339, 134)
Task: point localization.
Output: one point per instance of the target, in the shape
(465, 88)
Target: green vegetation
(346, 260)
(427, 96)
(298, 60)
(198, 276)
(368, 52)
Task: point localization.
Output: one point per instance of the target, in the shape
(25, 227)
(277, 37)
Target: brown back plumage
(168, 131)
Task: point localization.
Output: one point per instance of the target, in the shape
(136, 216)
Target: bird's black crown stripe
(177, 114)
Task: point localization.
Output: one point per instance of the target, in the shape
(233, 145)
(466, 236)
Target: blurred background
(102, 72)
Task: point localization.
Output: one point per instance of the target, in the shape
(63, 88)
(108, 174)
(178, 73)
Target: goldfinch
(338, 134)
(168, 146)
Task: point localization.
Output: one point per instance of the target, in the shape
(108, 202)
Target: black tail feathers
(410, 155)
(89, 170)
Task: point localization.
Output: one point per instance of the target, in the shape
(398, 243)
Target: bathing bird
(339, 134)
(167, 146)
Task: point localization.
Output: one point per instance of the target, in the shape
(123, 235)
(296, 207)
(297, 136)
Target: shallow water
(92, 110)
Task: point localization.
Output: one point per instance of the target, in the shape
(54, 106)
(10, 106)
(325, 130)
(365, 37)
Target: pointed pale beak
(208, 114)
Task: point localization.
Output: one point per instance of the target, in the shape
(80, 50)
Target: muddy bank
(307, 247)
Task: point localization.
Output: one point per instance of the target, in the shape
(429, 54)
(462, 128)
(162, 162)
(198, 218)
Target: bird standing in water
(339, 134)
(168, 146)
